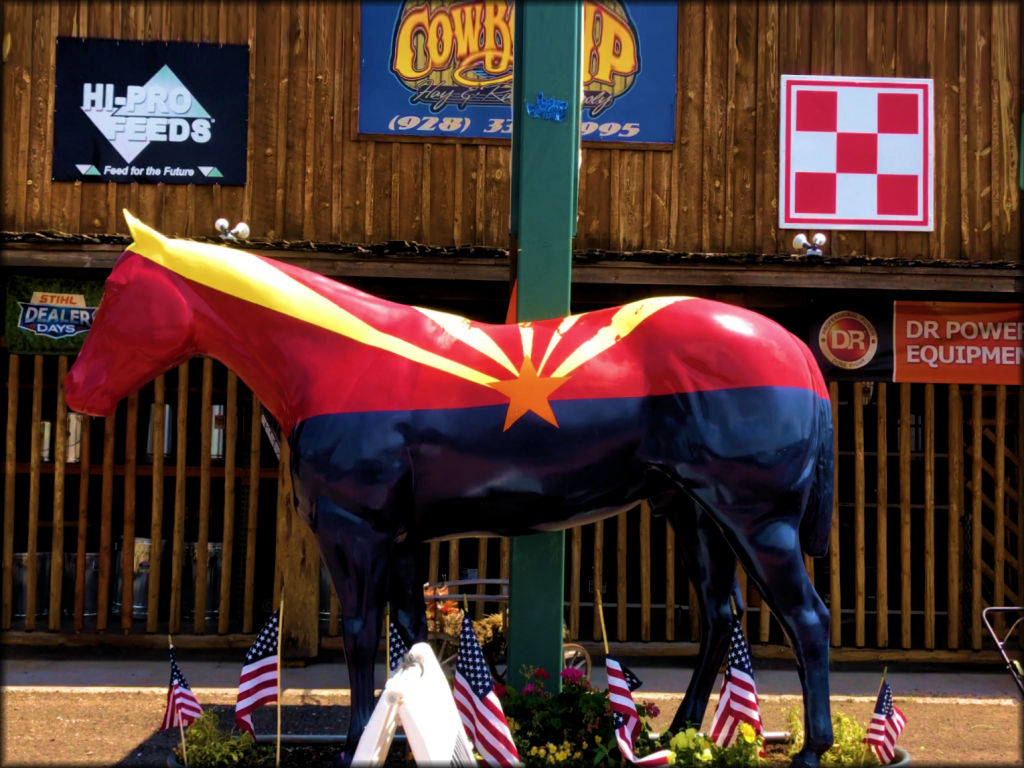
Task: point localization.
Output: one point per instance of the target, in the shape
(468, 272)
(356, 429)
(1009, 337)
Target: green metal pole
(545, 172)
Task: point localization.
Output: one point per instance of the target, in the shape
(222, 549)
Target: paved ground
(91, 668)
(102, 707)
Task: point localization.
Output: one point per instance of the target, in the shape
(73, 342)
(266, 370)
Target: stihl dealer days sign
(152, 112)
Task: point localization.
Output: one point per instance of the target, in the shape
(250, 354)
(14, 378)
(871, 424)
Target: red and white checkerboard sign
(856, 153)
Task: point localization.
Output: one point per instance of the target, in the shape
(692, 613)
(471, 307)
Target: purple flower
(528, 689)
(571, 675)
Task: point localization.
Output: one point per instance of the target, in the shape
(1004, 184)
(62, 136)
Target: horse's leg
(405, 591)
(711, 565)
(357, 557)
(768, 545)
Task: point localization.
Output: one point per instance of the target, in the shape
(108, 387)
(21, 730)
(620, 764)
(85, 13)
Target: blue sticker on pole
(548, 109)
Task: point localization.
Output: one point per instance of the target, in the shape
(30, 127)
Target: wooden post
(106, 529)
(956, 493)
(33, 495)
(857, 399)
(620, 574)
(60, 462)
(227, 551)
(156, 525)
(645, 571)
(598, 573)
(203, 539)
(574, 583)
(178, 553)
(670, 582)
(128, 535)
(929, 516)
(835, 597)
(254, 500)
(453, 560)
(481, 573)
(905, 514)
(999, 502)
(693, 607)
(300, 571)
(741, 582)
(10, 476)
(976, 427)
(882, 524)
(83, 524)
(435, 562)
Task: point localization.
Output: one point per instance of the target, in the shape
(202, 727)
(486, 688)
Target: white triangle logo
(206, 169)
(164, 96)
(83, 168)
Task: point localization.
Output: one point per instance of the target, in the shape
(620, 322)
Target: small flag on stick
(478, 704)
(621, 684)
(396, 648)
(737, 702)
(258, 683)
(182, 705)
(886, 726)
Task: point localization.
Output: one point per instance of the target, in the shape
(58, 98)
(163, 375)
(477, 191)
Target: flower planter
(298, 739)
(901, 759)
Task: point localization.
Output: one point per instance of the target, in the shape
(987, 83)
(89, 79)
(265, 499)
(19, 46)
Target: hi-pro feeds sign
(152, 112)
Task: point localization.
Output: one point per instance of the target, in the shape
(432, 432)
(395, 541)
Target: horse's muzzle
(82, 398)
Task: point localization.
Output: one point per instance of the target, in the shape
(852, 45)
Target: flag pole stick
(881, 682)
(181, 727)
(280, 691)
(600, 613)
(387, 640)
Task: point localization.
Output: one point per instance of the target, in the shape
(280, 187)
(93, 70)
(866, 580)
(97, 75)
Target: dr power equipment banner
(152, 112)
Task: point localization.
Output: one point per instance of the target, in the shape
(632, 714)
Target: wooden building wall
(714, 190)
(923, 538)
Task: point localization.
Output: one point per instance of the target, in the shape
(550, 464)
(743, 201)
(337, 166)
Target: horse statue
(408, 425)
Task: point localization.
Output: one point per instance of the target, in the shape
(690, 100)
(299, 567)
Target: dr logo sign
(460, 53)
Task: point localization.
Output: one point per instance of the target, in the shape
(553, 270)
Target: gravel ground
(103, 729)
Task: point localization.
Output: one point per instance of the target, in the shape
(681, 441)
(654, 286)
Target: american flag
(886, 726)
(737, 702)
(478, 705)
(396, 649)
(181, 702)
(621, 684)
(258, 683)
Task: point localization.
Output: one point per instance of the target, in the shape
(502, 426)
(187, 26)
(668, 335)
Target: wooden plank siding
(970, 556)
(313, 177)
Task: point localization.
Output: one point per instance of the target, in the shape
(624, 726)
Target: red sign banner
(958, 343)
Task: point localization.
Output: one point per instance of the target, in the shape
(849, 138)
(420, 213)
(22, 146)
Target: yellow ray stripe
(622, 324)
(461, 329)
(563, 328)
(526, 333)
(251, 279)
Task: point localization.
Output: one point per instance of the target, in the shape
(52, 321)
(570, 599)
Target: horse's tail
(816, 524)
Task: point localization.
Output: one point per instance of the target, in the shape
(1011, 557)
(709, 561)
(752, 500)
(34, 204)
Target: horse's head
(143, 327)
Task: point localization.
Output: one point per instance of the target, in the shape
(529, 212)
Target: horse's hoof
(805, 759)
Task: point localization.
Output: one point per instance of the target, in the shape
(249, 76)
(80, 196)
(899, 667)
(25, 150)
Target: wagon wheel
(576, 657)
(446, 649)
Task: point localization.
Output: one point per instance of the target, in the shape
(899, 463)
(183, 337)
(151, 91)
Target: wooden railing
(922, 540)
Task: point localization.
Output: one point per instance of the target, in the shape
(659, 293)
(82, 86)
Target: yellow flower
(533, 750)
(671, 758)
(705, 756)
(597, 739)
(584, 745)
(747, 731)
(542, 751)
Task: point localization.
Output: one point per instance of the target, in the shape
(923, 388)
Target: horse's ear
(146, 240)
